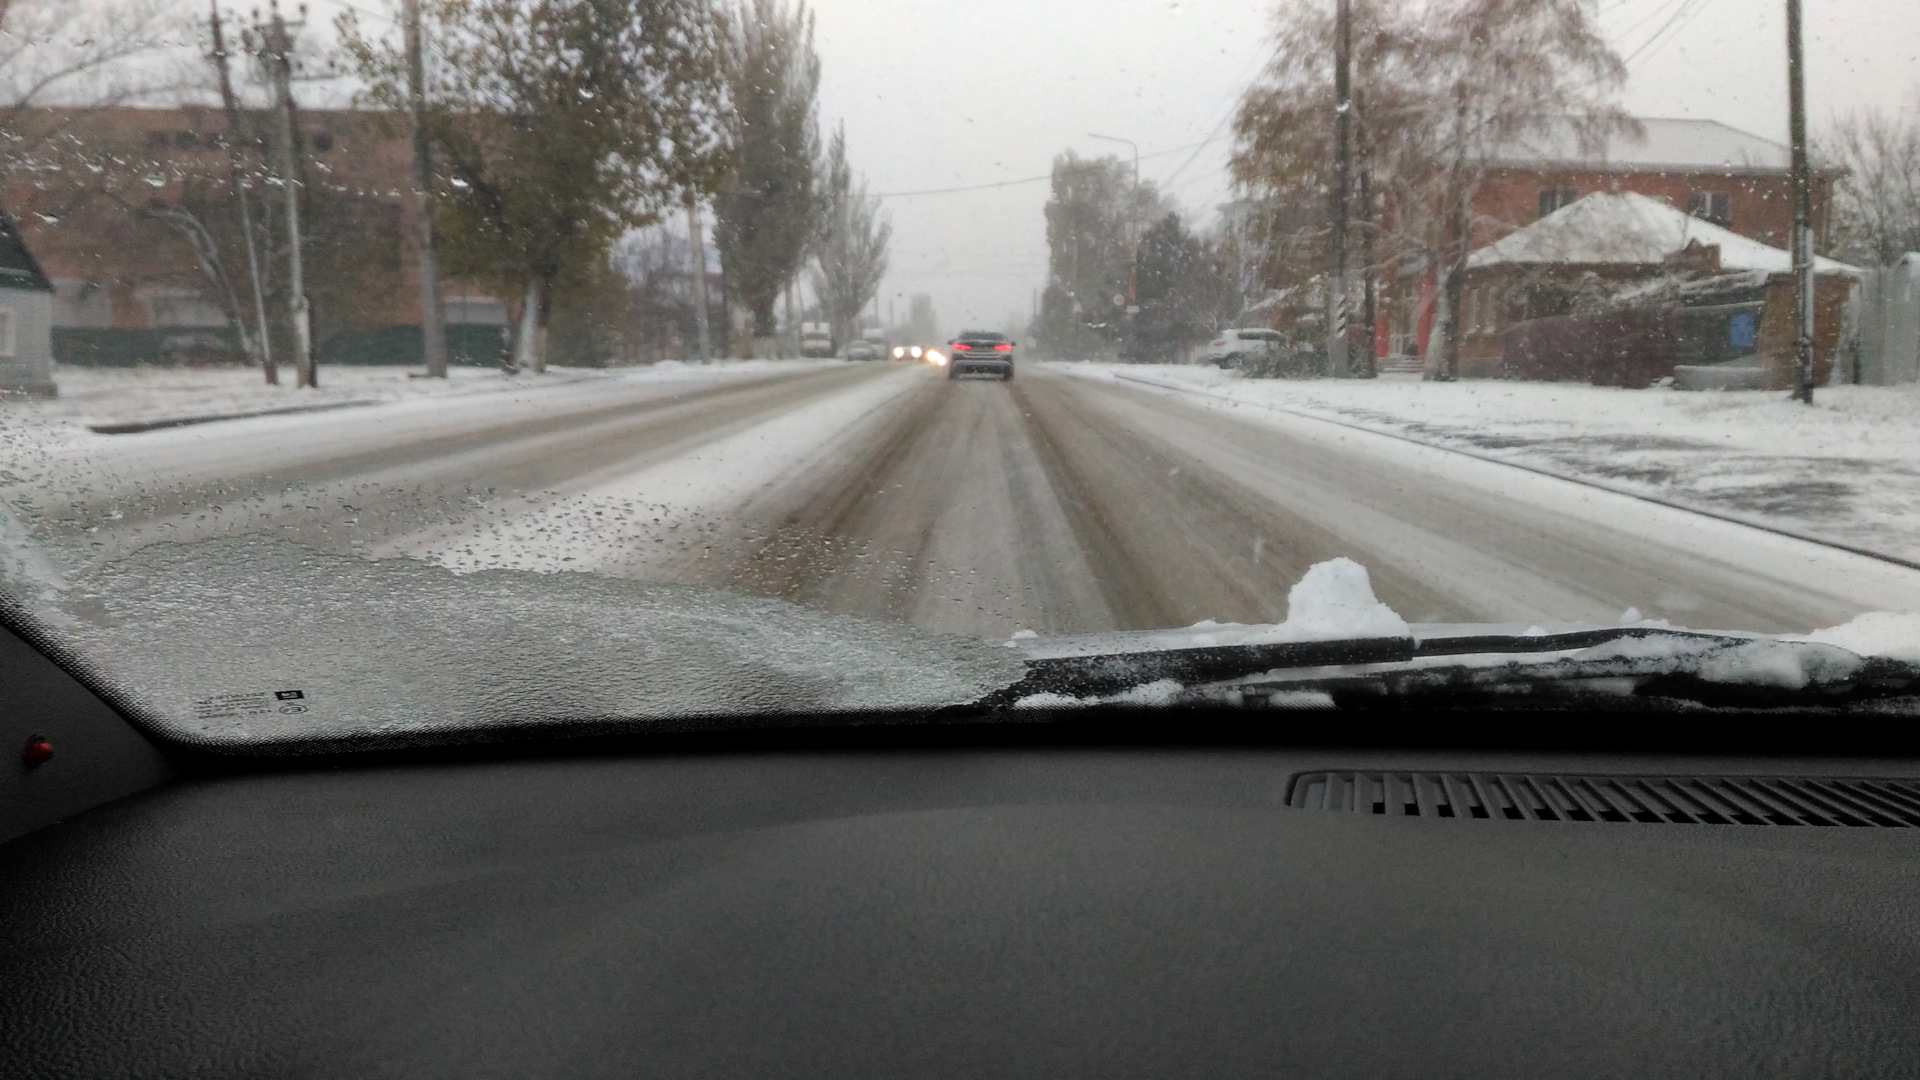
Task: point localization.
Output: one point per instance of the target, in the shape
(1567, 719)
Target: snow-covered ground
(95, 396)
(1847, 469)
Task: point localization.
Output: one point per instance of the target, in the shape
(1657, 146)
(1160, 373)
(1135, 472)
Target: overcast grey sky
(951, 93)
(941, 94)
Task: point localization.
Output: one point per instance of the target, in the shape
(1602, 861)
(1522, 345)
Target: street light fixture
(1133, 239)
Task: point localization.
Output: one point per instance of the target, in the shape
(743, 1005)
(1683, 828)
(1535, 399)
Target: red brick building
(1716, 173)
(97, 195)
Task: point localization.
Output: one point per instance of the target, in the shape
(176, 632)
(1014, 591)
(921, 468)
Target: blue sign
(1741, 330)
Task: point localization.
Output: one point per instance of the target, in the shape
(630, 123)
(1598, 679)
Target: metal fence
(1887, 324)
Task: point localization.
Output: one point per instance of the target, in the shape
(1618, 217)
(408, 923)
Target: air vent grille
(1651, 800)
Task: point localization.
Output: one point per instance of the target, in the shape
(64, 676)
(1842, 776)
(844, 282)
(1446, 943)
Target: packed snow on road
(1846, 469)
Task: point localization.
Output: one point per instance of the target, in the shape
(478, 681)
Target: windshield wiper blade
(1451, 661)
(1112, 664)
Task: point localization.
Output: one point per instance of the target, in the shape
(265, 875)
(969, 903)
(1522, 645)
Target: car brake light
(1221, 341)
(1003, 348)
(962, 347)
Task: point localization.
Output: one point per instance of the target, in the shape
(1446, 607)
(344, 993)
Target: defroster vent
(1652, 800)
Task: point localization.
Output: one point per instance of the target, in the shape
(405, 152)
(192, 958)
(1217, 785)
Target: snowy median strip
(660, 511)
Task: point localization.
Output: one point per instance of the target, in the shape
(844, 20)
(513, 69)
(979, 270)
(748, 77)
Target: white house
(26, 318)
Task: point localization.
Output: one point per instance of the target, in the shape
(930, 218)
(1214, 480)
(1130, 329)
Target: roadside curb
(131, 427)
(554, 379)
(1541, 470)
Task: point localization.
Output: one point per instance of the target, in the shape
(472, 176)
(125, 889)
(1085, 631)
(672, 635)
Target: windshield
(384, 366)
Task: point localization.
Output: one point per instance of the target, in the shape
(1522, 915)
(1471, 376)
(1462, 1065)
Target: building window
(323, 141)
(1713, 206)
(1552, 199)
(9, 345)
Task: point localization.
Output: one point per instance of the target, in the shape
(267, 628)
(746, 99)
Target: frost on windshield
(249, 639)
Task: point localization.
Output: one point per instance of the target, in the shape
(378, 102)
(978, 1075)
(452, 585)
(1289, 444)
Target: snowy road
(1063, 502)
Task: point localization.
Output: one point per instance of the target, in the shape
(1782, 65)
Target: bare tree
(766, 209)
(850, 244)
(1876, 204)
(1284, 140)
(1444, 91)
(1090, 217)
(923, 323)
(1504, 73)
(75, 54)
(84, 52)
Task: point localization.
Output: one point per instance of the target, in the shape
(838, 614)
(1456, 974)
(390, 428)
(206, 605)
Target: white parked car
(1230, 347)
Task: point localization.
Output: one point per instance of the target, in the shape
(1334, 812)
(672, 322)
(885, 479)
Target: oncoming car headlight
(933, 356)
(916, 352)
(898, 352)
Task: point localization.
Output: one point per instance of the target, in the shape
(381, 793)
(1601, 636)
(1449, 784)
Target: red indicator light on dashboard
(38, 752)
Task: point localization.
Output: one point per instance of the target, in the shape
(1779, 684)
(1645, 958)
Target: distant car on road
(980, 352)
(862, 350)
(1234, 347)
(816, 340)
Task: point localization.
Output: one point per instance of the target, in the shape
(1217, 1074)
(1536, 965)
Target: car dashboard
(1110, 894)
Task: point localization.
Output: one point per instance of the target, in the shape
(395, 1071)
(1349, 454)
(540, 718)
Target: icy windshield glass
(397, 365)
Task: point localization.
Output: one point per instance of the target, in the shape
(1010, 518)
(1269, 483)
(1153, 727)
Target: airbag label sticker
(264, 703)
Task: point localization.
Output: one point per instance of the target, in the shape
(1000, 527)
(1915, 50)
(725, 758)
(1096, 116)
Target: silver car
(980, 352)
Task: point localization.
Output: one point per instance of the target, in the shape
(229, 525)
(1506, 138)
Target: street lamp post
(1133, 239)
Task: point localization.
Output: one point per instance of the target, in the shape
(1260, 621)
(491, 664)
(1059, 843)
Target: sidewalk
(118, 401)
(150, 396)
(1847, 469)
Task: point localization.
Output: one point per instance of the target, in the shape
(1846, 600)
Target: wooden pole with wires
(1337, 361)
(1803, 266)
(278, 55)
(433, 312)
(261, 343)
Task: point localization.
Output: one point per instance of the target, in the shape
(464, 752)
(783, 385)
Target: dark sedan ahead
(980, 352)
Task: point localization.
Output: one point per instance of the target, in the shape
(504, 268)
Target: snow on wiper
(1332, 618)
(1340, 644)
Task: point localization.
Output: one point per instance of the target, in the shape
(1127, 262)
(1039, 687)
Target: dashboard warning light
(38, 752)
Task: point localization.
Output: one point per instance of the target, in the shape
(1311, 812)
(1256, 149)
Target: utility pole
(236, 164)
(278, 55)
(697, 266)
(1802, 210)
(1369, 288)
(433, 314)
(1342, 182)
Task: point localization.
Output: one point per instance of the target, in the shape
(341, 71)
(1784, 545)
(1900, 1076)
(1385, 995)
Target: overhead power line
(1027, 179)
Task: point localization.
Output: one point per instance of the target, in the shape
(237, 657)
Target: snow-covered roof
(1630, 229)
(1665, 145)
